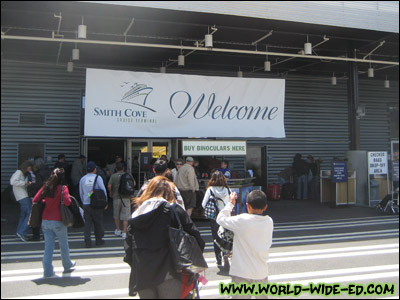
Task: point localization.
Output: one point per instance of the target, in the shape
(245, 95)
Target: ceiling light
(267, 63)
(267, 66)
(181, 60)
(82, 29)
(386, 83)
(307, 47)
(239, 73)
(163, 70)
(70, 66)
(75, 54)
(208, 38)
(333, 79)
(371, 72)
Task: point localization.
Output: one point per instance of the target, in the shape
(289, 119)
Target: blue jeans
(302, 182)
(282, 181)
(26, 206)
(51, 230)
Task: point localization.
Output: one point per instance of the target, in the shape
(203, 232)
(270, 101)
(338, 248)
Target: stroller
(390, 203)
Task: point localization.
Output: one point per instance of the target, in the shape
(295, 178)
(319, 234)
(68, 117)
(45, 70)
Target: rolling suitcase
(274, 191)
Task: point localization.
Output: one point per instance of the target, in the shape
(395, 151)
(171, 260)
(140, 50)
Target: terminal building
(332, 67)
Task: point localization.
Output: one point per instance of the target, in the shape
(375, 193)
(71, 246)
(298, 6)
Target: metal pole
(164, 46)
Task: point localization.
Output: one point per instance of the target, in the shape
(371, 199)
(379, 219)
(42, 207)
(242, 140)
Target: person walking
(121, 205)
(301, 170)
(52, 225)
(153, 275)
(92, 215)
(187, 184)
(20, 183)
(178, 165)
(63, 164)
(219, 189)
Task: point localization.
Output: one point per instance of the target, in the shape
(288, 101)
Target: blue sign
(396, 171)
(339, 171)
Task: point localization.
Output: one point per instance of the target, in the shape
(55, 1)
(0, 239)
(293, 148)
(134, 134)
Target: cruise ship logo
(137, 95)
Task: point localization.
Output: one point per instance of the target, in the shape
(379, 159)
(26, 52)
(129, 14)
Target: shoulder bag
(98, 198)
(184, 249)
(66, 215)
(35, 218)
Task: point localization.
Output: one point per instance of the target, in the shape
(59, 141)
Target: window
(37, 119)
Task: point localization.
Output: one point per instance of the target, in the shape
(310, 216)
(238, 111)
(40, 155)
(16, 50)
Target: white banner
(213, 148)
(136, 104)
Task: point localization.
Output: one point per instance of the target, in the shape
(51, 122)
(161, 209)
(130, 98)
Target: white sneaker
(123, 235)
(117, 232)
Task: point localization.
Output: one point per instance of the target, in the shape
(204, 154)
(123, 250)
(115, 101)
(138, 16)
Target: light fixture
(307, 47)
(181, 60)
(267, 63)
(163, 69)
(70, 66)
(239, 73)
(82, 29)
(333, 79)
(387, 83)
(75, 54)
(370, 71)
(208, 39)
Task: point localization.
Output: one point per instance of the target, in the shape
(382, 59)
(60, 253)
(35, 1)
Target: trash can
(374, 190)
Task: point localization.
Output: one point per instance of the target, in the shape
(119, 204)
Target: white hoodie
(219, 192)
(148, 206)
(19, 187)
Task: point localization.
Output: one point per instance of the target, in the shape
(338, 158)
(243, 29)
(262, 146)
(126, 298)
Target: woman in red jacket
(52, 225)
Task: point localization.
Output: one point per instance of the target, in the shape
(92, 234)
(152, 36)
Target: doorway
(103, 152)
(256, 160)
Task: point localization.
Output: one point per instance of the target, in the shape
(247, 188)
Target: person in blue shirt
(92, 215)
(225, 170)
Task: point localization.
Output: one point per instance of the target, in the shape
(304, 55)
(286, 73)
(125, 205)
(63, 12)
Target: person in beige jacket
(187, 183)
(19, 185)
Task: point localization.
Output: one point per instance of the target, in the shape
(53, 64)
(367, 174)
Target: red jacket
(52, 209)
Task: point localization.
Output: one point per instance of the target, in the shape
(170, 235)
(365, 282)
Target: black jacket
(147, 246)
(300, 167)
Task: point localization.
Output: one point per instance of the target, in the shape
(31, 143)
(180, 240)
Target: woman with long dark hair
(219, 189)
(153, 275)
(52, 225)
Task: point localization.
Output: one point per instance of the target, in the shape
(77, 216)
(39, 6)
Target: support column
(353, 102)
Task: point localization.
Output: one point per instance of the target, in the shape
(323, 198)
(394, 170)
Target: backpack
(126, 185)
(211, 210)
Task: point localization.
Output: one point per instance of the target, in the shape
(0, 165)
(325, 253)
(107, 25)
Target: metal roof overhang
(155, 36)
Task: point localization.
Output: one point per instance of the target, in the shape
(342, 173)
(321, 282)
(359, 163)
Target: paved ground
(312, 243)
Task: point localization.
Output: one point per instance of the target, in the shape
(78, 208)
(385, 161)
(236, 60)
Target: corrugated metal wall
(316, 123)
(34, 88)
(375, 126)
(316, 119)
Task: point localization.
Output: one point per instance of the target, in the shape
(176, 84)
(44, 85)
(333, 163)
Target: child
(252, 240)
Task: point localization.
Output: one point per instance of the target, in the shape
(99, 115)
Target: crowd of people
(146, 219)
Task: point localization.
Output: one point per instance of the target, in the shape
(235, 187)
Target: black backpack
(126, 185)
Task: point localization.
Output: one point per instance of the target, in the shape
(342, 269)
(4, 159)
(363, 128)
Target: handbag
(66, 214)
(98, 198)
(184, 249)
(77, 211)
(224, 240)
(35, 218)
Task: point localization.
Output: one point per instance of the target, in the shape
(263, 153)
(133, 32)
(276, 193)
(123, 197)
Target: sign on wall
(377, 163)
(137, 104)
(213, 148)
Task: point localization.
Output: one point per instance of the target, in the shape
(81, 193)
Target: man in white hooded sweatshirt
(252, 240)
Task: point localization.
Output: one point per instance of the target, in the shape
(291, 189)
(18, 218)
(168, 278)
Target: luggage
(288, 191)
(273, 191)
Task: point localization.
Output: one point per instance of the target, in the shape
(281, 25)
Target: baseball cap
(189, 158)
(91, 166)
